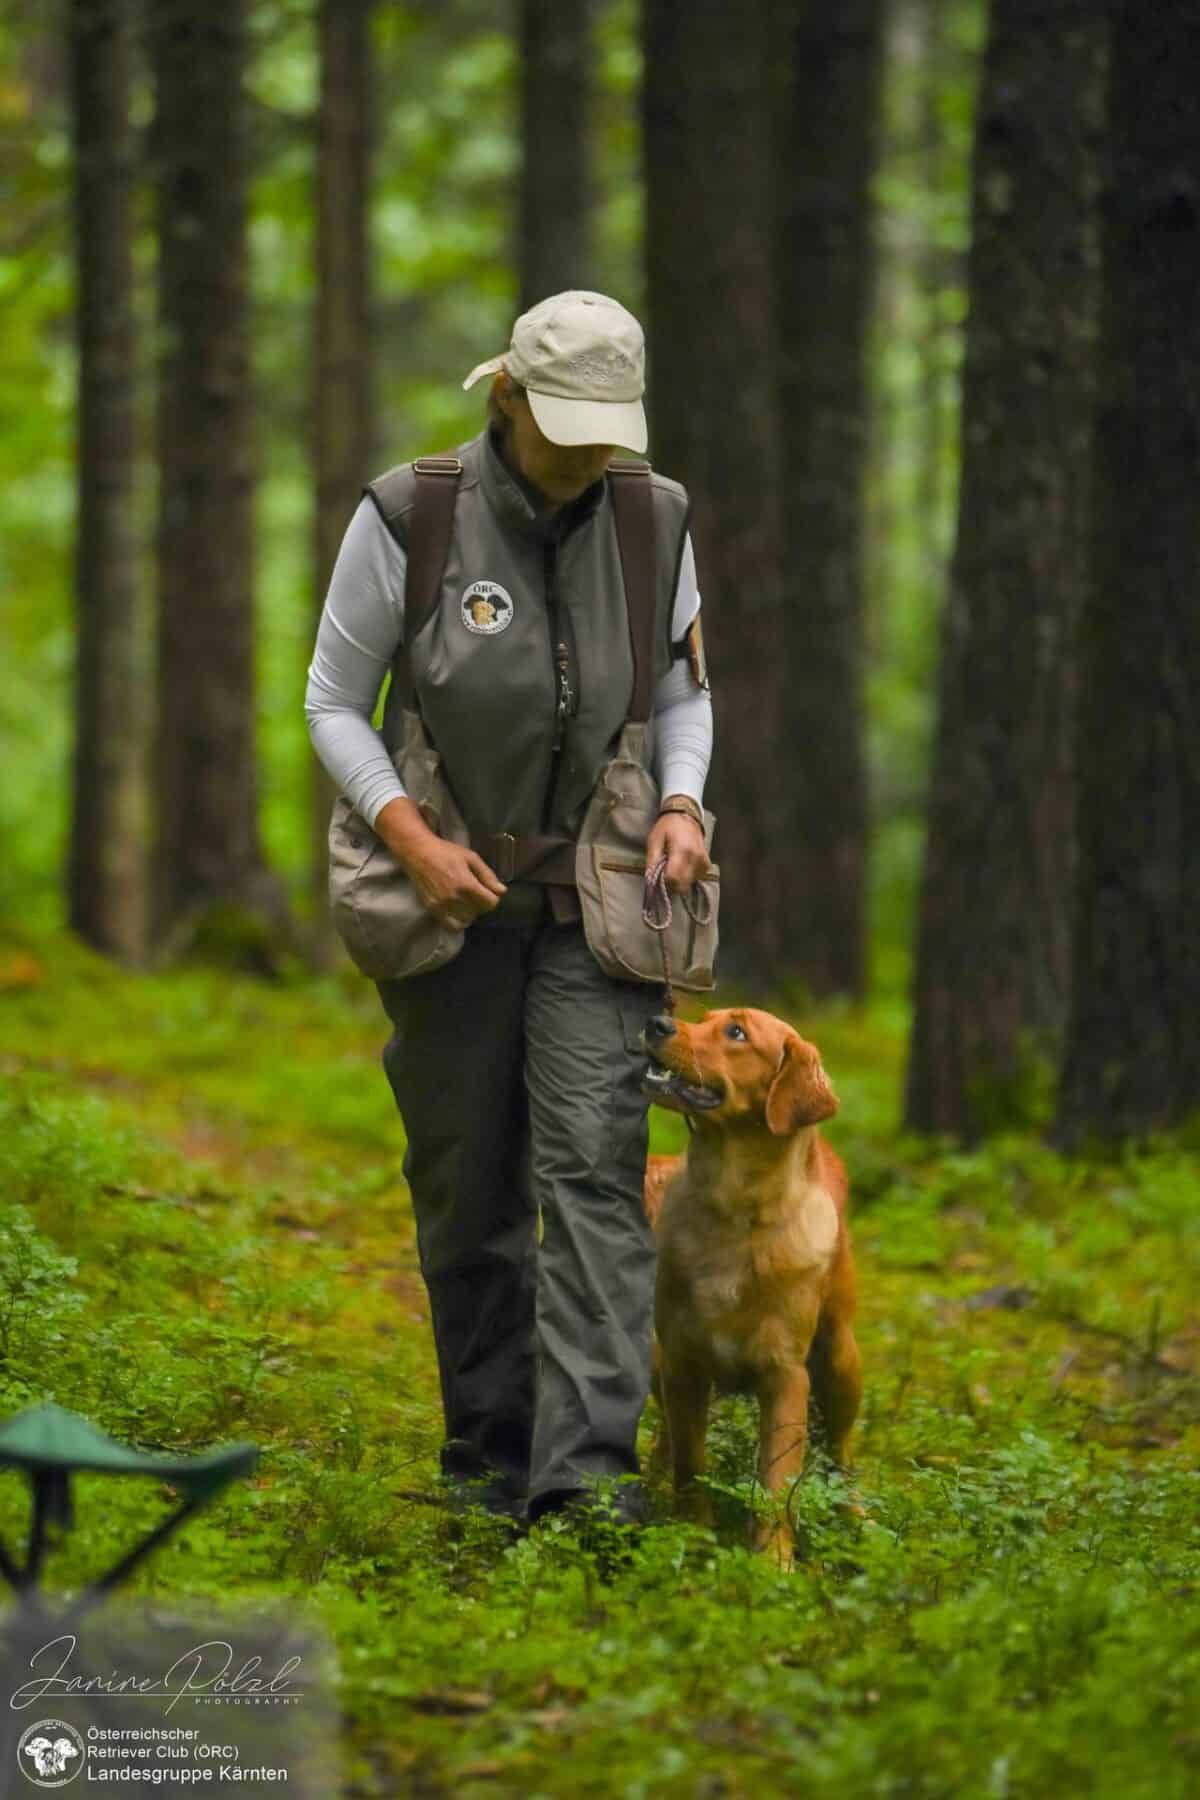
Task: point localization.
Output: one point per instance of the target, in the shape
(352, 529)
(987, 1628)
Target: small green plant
(37, 1296)
(208, 1236)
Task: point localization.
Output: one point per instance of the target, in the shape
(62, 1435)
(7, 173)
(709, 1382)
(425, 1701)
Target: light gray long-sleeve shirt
(362, 625)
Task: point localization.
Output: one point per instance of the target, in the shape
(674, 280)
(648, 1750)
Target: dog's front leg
(783, 1433)
(835, 1369)
(685, 1391)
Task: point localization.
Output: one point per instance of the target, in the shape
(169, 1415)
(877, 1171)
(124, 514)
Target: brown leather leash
(657, 914)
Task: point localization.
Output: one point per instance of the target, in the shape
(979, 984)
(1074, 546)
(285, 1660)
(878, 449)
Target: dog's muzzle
(668, 1087)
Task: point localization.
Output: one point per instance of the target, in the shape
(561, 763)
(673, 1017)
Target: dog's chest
(742, 1278)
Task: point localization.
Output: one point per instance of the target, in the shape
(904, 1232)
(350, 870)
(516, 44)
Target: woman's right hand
(454, 882)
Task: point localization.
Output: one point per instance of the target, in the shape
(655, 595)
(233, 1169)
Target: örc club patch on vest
(486, 608)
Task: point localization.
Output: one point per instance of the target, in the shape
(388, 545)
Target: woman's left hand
(682, 841)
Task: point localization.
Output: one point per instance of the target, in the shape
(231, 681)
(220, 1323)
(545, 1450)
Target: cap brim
(490, 367)
(621, 423)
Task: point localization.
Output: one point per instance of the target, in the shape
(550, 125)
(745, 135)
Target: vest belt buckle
(504, 855)
(438, 465)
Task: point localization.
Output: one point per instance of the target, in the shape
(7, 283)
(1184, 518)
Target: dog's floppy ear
(800, 1093)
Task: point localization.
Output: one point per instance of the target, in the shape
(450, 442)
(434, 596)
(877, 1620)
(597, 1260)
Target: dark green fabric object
(50, 1444)
(50, 1437)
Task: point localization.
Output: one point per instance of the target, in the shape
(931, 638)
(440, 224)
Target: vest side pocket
(389, 932)
(386, 927)
(630, 947)
(610, 873)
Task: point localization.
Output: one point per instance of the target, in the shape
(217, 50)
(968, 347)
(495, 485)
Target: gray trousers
(517, 1072)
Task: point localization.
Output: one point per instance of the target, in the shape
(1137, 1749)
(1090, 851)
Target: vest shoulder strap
(429, 528)
(426, 543)
(633, 513)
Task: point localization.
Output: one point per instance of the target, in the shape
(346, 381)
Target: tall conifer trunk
(107, 870)
(209, 853)
(554, 204)
(994, 928)
(713, 427)
(826, 131)
(1133, 1052)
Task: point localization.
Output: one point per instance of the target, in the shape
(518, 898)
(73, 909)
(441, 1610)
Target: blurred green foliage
(208, 1238)
(922, 200)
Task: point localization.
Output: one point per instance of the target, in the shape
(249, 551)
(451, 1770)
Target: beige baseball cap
(581, 358)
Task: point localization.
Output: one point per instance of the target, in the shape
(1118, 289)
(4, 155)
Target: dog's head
(737, 1066)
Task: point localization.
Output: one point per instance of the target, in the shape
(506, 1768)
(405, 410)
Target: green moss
(207, 1236)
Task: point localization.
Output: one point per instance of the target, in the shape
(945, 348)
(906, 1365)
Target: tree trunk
(553, 226)
(993, 935)
(713, 426)
(827, 122)
(1133, 1052)
(209, 853)
(940, 268)
(107, 873)
(343, 413)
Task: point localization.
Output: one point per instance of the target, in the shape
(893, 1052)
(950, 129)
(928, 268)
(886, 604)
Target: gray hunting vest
(484, 677)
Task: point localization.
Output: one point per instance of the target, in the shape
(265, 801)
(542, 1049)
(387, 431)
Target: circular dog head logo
(50, 1753)
(486, 608)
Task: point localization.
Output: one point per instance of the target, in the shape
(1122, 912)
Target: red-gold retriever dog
(756, 1284)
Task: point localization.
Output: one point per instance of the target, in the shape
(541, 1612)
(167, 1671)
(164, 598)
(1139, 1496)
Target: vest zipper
(560, 669)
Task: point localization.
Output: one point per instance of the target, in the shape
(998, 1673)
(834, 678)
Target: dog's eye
(735, 1031)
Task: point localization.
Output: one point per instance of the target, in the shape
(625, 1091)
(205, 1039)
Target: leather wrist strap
(687, 807)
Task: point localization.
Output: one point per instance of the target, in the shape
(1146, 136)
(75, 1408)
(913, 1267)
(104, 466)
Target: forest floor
(206, 1236)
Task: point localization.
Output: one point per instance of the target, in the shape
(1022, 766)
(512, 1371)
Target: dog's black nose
(662, 1025)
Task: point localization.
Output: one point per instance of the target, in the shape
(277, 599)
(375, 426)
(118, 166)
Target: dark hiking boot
(607, 1522)
(490, 1495)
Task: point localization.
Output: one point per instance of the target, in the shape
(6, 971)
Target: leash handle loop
(656, 913)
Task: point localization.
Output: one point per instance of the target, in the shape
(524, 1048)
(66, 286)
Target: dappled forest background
(443, 224)
(919, 279)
